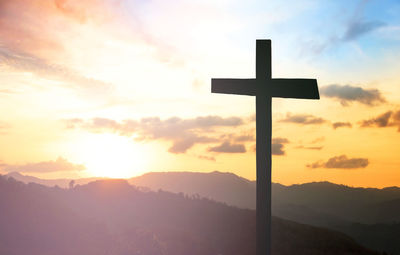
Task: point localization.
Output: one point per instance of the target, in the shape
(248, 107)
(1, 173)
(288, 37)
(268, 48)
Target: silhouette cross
(263, 87)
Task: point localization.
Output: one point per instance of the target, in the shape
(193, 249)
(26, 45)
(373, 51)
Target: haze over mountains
(114, 218)
(376, 205)
(62, 183)
(369, 215)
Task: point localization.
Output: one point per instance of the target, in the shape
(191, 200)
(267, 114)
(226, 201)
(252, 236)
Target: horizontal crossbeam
(234, 86)
(294, 88)
(286, 88)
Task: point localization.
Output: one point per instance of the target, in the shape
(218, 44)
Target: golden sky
(121, 87)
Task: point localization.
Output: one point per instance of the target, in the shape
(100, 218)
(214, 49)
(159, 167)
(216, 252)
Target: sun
(110, 155)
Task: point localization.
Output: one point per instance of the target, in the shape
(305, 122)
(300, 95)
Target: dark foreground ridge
(113, 217)
(371, 216)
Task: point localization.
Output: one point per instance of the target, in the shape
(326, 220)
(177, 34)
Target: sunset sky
(118, 88)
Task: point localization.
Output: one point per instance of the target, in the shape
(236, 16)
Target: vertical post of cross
(264, 88)
(263, 147)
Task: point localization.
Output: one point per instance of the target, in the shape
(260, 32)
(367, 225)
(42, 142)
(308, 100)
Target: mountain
(114, 218)
(348, 203)
(223, 187)
(390, 209)
(370, 215)
(62, 183)
(320, 199)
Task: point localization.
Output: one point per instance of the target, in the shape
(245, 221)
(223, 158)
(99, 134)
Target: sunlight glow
(110, 155)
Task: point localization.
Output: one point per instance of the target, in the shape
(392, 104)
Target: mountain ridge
(65, 181)
(112, 217)
(370, 215)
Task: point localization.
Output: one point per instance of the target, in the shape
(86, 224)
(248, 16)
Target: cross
(263, 87)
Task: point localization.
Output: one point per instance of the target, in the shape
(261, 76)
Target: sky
(118, 88)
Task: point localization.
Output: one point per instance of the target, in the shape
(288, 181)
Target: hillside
(369, 215)
(319, 199)
(347, 203)
(62, 183)
(113, 217)
(215, 185)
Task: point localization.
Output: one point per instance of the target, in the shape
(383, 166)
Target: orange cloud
(227, 147)
(40, 26)
(387, 119)
(183, 133)
(342, 162)
(303, 119)
(59, 165)
(336, 125)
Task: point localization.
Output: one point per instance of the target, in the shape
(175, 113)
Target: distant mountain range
(317, 199)
(62, 183)
(223, 187)
(369, 215)
(363, 205)
(111, 217)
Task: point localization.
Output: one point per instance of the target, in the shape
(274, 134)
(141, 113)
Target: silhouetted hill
(114, 218)
(318, 201)
(321, 199)
(320, 204)
(34, 222)
(223, 187)
(391, 210)
(367, 214)
(62, 183)
(352, 204)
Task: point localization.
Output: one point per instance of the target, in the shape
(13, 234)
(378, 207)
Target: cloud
(4, 127)
(341, 162)
(227, 147)
(101, 124)
(310, 147)
(71, 123)
(354, 27)
(7, 91)
(183, 133)
(280, 140)
(336, 125)
(244, 138)
(379, 121)
(303, 119)
(387, 119)
(33, 27)
(347, 94)
(186, 142)
(59, 165)
(318, 139)
(76, 10)
(313, 146)
(358, 28)
(42, 68)
(277, 146)
(206, 158)
(277, 149)
(396, 116)
(391, 32)
(358, 25)
(40, 19)
(43, 37)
